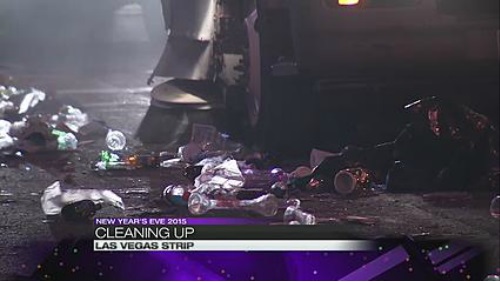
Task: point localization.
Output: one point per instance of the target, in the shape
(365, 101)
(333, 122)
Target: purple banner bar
(226, 221)
(181, 221)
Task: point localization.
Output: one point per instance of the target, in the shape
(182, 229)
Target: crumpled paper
(226, 176)
(6, 140)
(31, 99)
(211, 163)
(5, 126)
(54, 198)
(73, 118)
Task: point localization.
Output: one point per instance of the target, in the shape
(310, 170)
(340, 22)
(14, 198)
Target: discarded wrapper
(54, 198)
(224, 176)
(5, 126)
(6, 141)
(211, 162)
(176, 163)
(73, 118)
(30, 100)
(295, 214)
(65, 141)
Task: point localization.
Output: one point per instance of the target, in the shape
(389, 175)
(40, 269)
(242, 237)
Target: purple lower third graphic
(378, 266)
(442, 253)
(295, 266)
(461, 259)
(77, 260)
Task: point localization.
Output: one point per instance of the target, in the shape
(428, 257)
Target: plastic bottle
(116, 140)
(266, 205)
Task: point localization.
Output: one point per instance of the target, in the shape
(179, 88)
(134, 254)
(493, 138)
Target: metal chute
(189, 49)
